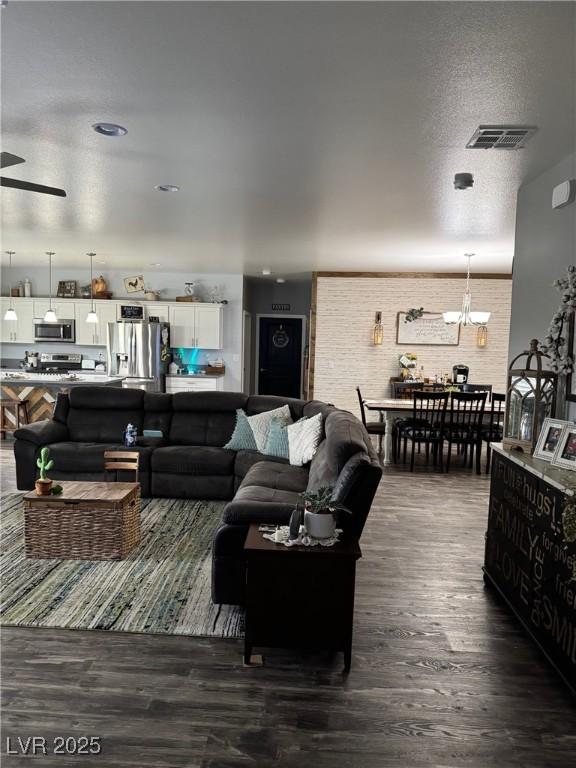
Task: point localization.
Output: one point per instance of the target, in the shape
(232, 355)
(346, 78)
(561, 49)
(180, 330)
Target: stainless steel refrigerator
(140, 351)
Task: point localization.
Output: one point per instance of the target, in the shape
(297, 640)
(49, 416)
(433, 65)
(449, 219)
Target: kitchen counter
(195, 375)
(58, 381)
(40, 390)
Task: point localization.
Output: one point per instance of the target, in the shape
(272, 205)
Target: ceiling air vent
(501, 136)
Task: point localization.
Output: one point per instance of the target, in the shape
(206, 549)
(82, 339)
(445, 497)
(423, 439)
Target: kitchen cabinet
(22, 329)
(94, 334)
(65, 310)
(176, 384)
(196, 327)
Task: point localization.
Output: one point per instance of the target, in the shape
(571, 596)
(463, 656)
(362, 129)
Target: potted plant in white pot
(320, 511)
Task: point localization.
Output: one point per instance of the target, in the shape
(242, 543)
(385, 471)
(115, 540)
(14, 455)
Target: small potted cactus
(44, 485)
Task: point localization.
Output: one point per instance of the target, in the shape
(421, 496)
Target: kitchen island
(41, 389)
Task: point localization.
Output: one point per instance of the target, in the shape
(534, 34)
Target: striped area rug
(163, 587)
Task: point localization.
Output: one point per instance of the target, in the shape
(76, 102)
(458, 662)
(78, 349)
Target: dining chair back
(493, 431)
(404, 390)
(124, 461)
(362, 408)
(377, 428)
(465, 418)
(477, 388)
(426, 427)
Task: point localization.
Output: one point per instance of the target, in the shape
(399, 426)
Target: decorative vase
(43, 487)
(319, 526)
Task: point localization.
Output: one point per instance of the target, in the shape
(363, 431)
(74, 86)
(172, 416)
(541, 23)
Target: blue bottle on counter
(130, 436)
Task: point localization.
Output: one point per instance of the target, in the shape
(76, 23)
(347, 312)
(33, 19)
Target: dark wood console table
(527, 559)
(299, 597)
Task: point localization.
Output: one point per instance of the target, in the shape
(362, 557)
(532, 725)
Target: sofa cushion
(345, 436)
(258, 504)
(246, 459)
(283, 477)
(204, 418)
(260, 424)
(157, 412)
(101, 414)
(89, 457)
(193, 460)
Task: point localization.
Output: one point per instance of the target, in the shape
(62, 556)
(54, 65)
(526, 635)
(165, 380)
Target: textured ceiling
(303, 135)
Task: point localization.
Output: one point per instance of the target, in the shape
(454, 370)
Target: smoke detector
(501, 136)
(463, 181)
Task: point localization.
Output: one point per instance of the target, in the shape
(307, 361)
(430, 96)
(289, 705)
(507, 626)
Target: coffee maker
(460, 374)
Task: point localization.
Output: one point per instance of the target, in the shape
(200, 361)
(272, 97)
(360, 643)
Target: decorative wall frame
(565, 453)
(66, 289)
(429, 329)
(134, 284)
(550, 434)
(571, 378)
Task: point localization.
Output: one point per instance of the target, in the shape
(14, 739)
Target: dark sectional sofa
(190, 461)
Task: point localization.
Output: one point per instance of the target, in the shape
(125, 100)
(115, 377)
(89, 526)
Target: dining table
(390, 409)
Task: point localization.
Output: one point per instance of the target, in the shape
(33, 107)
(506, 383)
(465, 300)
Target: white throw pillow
(260, 424)
(303, 439)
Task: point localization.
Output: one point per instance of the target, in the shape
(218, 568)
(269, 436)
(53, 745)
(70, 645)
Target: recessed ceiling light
(280, 280)
(167, 188)
(266, 272)
(110, 129)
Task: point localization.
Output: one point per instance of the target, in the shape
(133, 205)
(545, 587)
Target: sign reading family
(429, 329)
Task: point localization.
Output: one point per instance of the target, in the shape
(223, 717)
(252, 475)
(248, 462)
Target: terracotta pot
(319, 526)
(43, 487)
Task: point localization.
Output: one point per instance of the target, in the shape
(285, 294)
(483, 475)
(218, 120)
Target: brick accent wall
(345, 357)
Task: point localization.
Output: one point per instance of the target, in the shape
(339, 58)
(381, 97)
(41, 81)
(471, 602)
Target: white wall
(346, 358)
(171, 284)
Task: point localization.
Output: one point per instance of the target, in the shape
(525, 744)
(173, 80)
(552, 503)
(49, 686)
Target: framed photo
(550, 434)
(571, 380)
(134, 284)
(565, 453)
(66, 289)
(429, 329)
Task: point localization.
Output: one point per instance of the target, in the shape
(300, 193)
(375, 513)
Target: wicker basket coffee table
(87, 521)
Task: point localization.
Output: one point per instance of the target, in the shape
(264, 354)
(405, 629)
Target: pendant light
(466, 316)
(91, 317)
(50, 316)
(10, 312)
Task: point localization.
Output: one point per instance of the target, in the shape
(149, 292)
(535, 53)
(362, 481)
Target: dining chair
(372, 427)
(426, 426)
(463, 427)
(493, 431)
(124, 461)
(478, 388)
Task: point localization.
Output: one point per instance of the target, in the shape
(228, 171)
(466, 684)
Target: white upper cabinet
(22, 329)
(65, 310)
(196, 326)
(94, 334)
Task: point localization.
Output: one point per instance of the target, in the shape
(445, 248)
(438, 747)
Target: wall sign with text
(429, 329)
(281, 307)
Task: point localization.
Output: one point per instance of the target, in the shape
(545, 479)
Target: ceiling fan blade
(29, 187)
(7, 159)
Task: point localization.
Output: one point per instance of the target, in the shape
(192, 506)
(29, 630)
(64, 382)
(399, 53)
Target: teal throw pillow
(277, 441)
(242, 438)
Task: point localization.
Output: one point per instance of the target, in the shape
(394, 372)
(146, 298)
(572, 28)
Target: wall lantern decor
(378, 330)
(482, 336)
(530, 398)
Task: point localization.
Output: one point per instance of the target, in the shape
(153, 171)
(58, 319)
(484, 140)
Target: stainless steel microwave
(61, 330)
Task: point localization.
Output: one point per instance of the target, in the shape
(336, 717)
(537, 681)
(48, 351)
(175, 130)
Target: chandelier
(466, 316)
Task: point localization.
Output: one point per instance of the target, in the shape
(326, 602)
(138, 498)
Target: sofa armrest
(43, 432)
(244, 513)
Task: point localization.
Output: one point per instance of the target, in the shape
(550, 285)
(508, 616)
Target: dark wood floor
(442, 675)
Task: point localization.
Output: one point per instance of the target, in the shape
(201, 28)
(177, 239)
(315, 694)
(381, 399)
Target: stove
(57, 363)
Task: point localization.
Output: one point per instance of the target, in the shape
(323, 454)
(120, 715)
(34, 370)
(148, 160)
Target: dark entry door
(280, 356)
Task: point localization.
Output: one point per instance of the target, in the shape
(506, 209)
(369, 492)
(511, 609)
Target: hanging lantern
(482, 336)
(530, 398)
(378, 330)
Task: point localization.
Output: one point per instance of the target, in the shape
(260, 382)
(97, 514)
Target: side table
(299, 597)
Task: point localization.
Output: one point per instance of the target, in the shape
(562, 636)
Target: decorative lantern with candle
(530, 398)
(378, 330)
